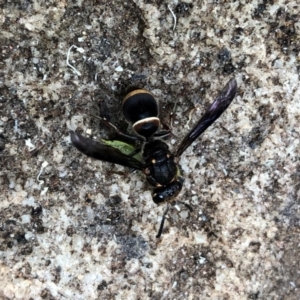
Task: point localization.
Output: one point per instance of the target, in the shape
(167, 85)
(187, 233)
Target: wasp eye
(158, 198)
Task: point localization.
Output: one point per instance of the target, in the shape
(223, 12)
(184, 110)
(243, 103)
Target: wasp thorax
(160, 163)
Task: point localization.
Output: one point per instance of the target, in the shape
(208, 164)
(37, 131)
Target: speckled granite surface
(75, 228)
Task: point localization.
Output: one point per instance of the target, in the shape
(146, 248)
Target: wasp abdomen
(141, 109)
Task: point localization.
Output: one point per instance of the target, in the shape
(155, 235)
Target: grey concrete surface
(75, 228)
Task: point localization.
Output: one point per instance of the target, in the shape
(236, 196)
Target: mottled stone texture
(75, 228)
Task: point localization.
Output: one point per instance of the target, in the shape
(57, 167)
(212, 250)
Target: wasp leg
(118, 131)
(164, 134)
(186, 205)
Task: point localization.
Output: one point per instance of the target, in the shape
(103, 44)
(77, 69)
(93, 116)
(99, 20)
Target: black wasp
(152, 156)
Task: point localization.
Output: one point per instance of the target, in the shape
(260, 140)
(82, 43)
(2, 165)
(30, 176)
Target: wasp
(152, 156)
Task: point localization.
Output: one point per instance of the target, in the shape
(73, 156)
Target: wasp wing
(211, 115)
(104, 152)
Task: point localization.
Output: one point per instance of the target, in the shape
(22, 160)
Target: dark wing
(104, 152)
(211, 115)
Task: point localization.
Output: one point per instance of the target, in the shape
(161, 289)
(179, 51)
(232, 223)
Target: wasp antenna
(161, 227)
(186, 205)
